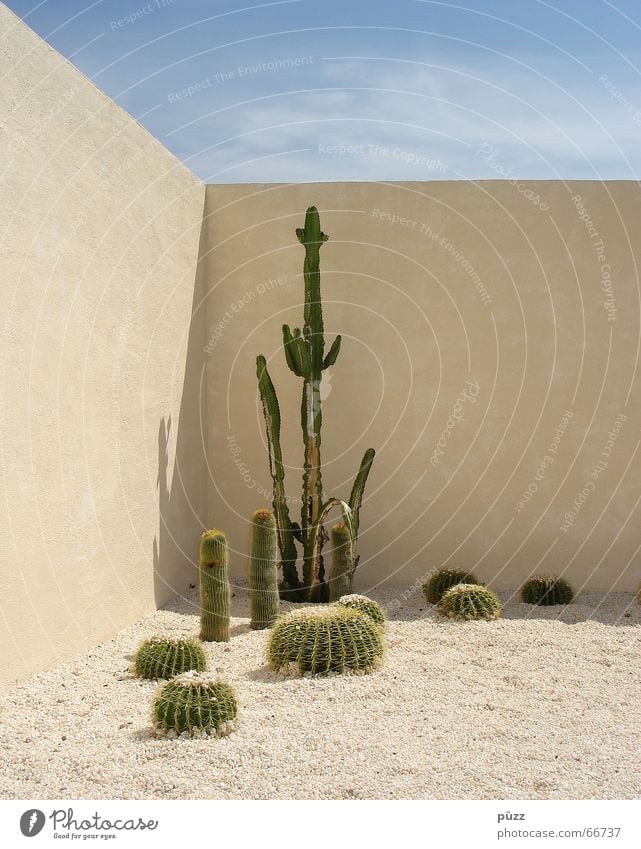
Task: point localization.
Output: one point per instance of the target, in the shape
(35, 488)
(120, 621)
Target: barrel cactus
(366, 605)
(263, 570)
(163, 657)
(340, 576)
(195, 704)
(325, 639)
(214, 588)
(546, 590)
(439, 582)
(470, 601)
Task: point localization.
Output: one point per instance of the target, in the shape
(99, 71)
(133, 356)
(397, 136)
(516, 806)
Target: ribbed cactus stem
(263, 570)
(214, 588)
(340, 578)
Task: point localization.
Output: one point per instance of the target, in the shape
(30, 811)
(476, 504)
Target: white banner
(615, 824)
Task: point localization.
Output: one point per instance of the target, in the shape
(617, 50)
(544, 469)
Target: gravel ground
(540, 704)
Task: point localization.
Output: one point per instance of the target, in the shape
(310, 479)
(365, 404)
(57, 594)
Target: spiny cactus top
(195, 704)
(163, 657)
(263, 570)
(470, 601)
(546, 590)
(439, 582)
(325, 639)
(366, 605)
(213, 546)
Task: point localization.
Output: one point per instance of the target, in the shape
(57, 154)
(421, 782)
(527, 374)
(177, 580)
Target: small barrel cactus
(366, 605)
(470, 601)
(163, 657)
(546, 590)
(325, 639)
(340, 576)
(214, 588)
(439, 582)
(196, 704)
(263, 570)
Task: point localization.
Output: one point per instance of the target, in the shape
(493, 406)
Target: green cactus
(470, 601)
(195, 704)
(163, 657)
(546, 590)
(366, 605)
(305, 355)
(214, 588)
(325, 639)
(340, 576)
(439, 582)
(263, 570)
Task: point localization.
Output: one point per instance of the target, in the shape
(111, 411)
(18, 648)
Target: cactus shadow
(182, 491)
(264, 675)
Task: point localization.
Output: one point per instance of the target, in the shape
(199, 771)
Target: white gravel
(541, 704)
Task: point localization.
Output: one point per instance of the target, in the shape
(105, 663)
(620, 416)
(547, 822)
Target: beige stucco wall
(531, 363)
(99, 240)
(491, 345)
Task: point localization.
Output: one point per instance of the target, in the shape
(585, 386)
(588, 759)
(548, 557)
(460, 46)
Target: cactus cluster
(439, 582)
(214, 588)
(195, 704)
(306, 358)
(263, 570)
(163, 657)
(546, 590)
(326, 639)
(366, 605)
(470, 601)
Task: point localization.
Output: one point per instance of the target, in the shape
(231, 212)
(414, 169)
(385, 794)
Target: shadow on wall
(182, 502)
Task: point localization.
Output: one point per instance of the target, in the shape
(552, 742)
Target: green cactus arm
(312, 238)
(291, 353)
(316, 537)
(356, 497)
(271, 412)
(302, 352)
(333, 353)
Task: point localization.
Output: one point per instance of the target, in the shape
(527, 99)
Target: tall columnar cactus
(546, 590)
(263, 570)
(163, 657)
(325, 639)
(340, 576)
(306, 358)
(214, 588)
(195, 704)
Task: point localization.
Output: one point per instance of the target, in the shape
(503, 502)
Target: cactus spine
(470, 601)
(546, 590)
(325, 639)
(214, 588)
(263, 570)
(306, 358)
(442, 580)
(164, 657)
(195, 704)
(340, 578)
(365, 605)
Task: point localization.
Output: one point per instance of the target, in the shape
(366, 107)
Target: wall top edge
(266, 184)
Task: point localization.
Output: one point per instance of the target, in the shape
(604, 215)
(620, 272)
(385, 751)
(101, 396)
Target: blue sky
(305, 90)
